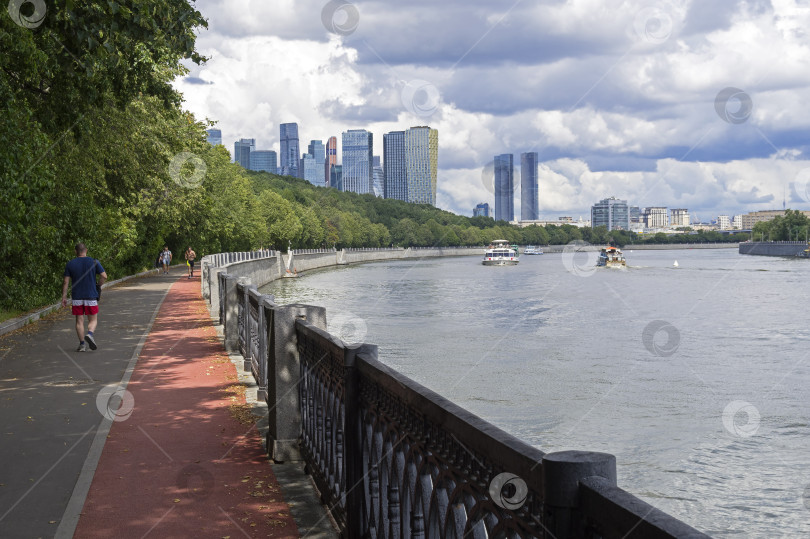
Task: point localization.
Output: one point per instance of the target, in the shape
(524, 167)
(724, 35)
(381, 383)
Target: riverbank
(773, 248)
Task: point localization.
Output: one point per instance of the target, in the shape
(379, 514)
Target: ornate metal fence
(393, 459)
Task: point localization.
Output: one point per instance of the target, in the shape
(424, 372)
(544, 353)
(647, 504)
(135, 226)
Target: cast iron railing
(392, 458)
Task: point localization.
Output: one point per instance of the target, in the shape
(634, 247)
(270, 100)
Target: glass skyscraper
(377, 175)
(336, 177)
(241, 151)
(481, 210)
(331, 159)
(318, 152)
(311, 170)
(395, 173)
(358, 154)
(421, 160)
(529, 209)
(263, 160)
(214, 136)
(612, 213)
(504, 187)
(290, 152)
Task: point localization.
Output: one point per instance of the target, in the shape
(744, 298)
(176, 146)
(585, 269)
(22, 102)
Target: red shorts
(84, 306)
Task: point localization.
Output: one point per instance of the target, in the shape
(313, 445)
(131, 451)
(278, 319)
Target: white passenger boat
(532, 250)
(611, 257)
(500, 253)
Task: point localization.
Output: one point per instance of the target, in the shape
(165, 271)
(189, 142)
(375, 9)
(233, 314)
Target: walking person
(166, 258)
(81, 273)
(190, 256)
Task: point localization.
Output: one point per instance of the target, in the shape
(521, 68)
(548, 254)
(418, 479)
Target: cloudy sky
(687, 104)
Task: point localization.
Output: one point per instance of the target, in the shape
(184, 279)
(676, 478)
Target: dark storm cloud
(357, 114)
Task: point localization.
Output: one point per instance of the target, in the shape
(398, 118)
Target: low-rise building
(754, 217)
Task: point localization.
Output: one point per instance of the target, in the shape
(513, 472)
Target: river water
(696, 377)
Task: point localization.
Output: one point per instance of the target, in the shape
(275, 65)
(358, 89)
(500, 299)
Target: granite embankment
(274, 265)
(773, 248)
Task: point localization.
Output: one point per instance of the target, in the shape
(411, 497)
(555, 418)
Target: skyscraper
(214, 136)
(481, 210)
(529, 208)
(331, 159)
(310, 169)
(290, 152)
(421, 161)
(504, 187)
(377, 175)
(395, 173)
(318, 152)
(336, 177)
(241, 151)
(612, 213)
(263, 160)
(358, 153)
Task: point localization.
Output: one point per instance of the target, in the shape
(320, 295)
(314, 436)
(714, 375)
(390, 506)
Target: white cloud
(611, 111)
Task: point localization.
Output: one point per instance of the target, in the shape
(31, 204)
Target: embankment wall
(773, 248)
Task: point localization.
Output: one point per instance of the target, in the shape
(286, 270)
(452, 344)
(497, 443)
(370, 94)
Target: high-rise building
(358, 153)
(529, 208)
(310, 170)
(377, 175)
(504, 187)
(336, 177)
(290, 152)
(736, 222)
(214, 136)
(330, 158)
(635, 214)
(317, 150)
(723, 222)
(612, 213)
(656, 217)
(481, 210)
(395, 172)
(679, 217)
(241, 151)
(421, 162)
(263, 160)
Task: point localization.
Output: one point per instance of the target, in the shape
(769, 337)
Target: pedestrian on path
(81, 273)
(190, 256)
(166, 258)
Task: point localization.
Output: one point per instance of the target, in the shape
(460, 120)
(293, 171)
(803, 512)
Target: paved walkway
(177, 452)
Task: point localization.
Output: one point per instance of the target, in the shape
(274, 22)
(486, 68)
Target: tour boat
(532, 250)
(611, 257)
(500, 253)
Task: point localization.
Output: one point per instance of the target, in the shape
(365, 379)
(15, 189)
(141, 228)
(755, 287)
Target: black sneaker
(82, 348)
(91, 341)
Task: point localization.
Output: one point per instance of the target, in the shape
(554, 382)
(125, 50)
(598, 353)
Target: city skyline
(630, 99)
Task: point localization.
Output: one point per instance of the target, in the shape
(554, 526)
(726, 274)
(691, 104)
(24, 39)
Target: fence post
(246, 357)
(562, 472)
(353, 441)
(283, 377)
(213, 291)
(231, 312)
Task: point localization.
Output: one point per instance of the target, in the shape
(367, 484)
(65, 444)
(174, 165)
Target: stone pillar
(562, 472)
(231, 322)
(247, 361)
(213, 291)
(283, 376)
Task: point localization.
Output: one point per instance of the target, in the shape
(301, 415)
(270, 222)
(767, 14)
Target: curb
(16, 323)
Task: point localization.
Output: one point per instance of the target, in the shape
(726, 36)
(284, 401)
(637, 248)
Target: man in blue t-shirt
(81, 273)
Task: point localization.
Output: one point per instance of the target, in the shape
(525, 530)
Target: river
(696, 377)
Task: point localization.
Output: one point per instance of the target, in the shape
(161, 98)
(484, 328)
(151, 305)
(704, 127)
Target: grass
(6, 315)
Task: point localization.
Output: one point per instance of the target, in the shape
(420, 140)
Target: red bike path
(182, 457)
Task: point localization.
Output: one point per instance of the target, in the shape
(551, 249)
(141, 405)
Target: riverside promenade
(148, 436)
